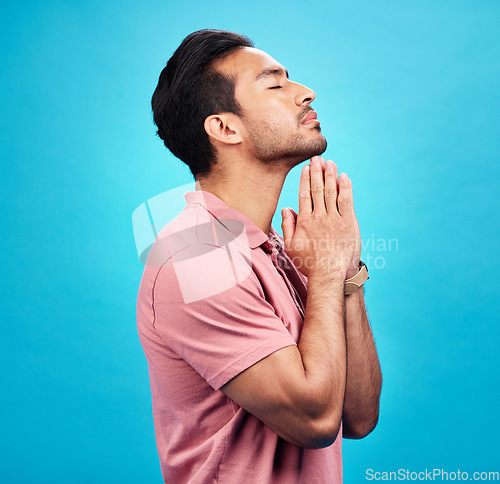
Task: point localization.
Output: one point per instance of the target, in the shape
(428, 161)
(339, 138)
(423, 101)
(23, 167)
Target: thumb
(287, 225)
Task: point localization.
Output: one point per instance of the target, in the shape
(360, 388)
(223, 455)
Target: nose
(304, 95)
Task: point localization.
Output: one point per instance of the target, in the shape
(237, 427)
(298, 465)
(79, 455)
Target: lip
(310, 118)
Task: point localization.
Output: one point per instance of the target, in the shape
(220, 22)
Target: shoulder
(196, 256)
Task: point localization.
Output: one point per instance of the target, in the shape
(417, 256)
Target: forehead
(246, 64)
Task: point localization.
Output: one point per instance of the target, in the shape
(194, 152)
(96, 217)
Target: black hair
(189, 91)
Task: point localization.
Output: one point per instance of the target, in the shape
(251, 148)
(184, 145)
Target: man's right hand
(322, 239)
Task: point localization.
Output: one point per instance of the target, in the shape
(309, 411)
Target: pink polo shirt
(217, 295)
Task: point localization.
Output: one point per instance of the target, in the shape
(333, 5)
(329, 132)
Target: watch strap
(355, 282)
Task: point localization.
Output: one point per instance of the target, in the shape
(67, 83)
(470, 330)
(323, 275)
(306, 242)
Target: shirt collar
(220, 210)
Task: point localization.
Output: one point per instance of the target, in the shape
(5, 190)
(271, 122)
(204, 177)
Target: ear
(224, 128)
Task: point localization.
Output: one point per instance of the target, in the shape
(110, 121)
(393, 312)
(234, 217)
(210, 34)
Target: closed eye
(276, 87)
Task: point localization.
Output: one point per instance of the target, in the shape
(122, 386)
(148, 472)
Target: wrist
(351, 272)
(353, 268)
(331, 277)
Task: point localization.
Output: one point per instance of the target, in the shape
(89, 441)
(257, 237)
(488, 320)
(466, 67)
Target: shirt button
(267, 246)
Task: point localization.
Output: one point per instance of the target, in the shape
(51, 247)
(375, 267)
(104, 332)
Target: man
(260, 353)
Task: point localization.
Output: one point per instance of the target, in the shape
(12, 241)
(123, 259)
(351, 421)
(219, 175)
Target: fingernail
(343, 179)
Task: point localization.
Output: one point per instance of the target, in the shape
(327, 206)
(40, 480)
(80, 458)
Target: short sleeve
(219, 335)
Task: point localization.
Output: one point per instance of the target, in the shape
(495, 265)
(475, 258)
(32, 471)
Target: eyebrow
(275, 71)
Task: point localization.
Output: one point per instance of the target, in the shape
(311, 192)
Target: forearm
(322, 345)
(325, 212)
(364, 377)
(301, 388)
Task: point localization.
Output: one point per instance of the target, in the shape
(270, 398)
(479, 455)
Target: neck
(254, 191)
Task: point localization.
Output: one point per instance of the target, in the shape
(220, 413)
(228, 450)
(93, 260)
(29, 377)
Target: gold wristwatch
(355, 282)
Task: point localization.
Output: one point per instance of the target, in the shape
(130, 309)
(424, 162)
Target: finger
(317, 186)
(331, 188)
(353, 211)
(305, 201)
(344, 199)
(356, 225)
(294, 213)
(287, 225)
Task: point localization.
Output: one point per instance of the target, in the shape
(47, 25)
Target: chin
(297, 150)
(320, 147)
(313, 148)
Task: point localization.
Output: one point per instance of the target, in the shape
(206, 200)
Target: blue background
(408, 97)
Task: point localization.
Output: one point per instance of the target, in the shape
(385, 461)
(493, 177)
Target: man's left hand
(354, 265)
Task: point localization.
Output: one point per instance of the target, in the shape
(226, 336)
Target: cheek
(269, 113)
(285, 112)
(280, 114)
